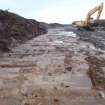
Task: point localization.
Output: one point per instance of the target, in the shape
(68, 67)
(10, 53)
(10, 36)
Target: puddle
(58, 42)
(72, 34)
(64, 33)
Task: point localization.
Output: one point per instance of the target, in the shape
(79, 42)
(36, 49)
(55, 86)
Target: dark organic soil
(16, 29)
(96, 73)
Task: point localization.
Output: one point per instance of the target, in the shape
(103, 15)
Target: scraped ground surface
(48, 70)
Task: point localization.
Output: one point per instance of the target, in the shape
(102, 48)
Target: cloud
(67, 13)
(62, 11)
(63, 14)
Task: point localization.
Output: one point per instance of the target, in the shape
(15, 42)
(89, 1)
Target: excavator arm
(100, 11)
(91, 12)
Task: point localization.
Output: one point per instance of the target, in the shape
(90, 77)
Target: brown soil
(96, 72)
(15, 29)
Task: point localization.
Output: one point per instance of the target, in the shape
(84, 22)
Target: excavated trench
(51, 70)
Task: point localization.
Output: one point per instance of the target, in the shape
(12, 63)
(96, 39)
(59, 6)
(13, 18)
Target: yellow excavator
(89, 20)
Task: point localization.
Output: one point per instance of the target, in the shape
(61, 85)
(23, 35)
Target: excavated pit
(51, 70)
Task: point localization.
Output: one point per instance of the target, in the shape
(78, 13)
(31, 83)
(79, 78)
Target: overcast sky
(61, 11)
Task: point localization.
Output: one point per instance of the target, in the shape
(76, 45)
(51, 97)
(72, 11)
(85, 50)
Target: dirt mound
(55, 25)
(96, 71)
(16, 29)
(96, 36)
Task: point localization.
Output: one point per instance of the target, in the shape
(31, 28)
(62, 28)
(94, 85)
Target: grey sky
(62, 11)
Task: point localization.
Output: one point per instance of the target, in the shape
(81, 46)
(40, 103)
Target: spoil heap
(16, 29)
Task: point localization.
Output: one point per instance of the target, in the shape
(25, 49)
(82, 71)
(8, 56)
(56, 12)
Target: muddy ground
(57, 68)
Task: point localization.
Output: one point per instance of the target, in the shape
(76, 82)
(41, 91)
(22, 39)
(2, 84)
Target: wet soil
(51, 69)
(96, 71)
(96, 36)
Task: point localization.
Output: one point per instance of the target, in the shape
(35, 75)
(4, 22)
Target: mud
(51, 70)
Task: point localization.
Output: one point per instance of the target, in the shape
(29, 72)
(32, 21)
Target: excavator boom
(94, 10)
(99, 12)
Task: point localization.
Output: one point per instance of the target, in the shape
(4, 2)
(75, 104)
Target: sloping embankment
(16, 29)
